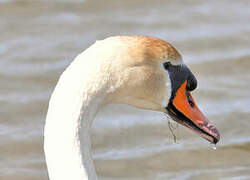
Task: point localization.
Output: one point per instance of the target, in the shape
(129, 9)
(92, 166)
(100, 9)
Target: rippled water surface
(38, 39)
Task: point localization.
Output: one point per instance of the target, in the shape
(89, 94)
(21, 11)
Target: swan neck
(67, 144)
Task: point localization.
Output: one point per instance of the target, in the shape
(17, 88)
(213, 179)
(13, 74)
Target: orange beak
(183, 109)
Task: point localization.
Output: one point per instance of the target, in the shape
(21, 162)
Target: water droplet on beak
(214, 147)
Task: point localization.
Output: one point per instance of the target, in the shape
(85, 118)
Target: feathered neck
(72, 109)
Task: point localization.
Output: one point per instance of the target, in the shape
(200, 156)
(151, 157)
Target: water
(40, 38)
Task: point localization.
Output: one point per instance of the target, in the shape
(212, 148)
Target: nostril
(190, 101)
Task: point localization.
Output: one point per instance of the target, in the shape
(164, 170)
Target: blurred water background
(38, 39)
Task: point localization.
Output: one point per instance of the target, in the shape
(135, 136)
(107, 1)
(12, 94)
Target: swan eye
(166, 65)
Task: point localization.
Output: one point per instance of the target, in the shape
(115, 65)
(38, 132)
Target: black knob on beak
(192, 83)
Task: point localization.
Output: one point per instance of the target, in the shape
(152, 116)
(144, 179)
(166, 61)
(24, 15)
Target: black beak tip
(216, 140)
(216, 135)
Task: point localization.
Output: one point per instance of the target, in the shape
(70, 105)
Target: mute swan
(141, 71)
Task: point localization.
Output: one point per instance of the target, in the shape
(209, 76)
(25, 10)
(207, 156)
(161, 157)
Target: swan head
(149, 73)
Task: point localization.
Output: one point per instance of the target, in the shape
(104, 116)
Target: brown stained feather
(149, 48)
